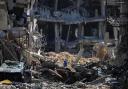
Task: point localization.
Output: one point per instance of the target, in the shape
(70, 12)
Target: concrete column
(96, 13)
(102, 25)
(82, 30)
(106, 37)
(3, 16)
(116, 35)
(57, 38)
(56, 5)
(79, 30)
(81, 34)
(104, 29)
(79, 25)
(60, 30)
(68, 33)
(100, 30)
(78, 4)
(103, 7)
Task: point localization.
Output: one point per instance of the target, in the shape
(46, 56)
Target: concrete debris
(29, 28)
(77, 85)
(59, 85)
(49, 72)
(83, 72)
(45, 84)
(7, 87)
(59, 58)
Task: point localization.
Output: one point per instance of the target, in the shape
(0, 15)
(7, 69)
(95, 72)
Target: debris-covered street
(63, 44)
(50, 73)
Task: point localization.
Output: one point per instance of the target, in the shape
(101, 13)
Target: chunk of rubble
(7, 87)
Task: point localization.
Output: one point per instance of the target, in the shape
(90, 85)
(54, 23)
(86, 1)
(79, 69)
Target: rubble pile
(53, 68)
(91, 74)
(59, 57)
(78, 85)
(55, 85)
(88, 73)
(91, 71)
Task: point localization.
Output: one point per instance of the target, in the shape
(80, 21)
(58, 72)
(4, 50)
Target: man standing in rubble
(65, 63)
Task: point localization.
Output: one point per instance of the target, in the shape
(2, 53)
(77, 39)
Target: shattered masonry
(66, 44)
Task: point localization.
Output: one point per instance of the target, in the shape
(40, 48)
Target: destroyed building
(68, 22)
(62, 24)
(31, 29)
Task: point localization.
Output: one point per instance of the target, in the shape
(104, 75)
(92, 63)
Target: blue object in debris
(65, 63)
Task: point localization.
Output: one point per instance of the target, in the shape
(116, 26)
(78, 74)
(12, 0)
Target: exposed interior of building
(64, 43)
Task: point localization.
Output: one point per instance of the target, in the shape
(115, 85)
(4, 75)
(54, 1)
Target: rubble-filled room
(63, 44)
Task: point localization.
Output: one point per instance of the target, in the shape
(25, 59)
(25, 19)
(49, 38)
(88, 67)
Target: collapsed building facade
(62, 24)
(66, 23)
(69, 24)
(29, 27)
